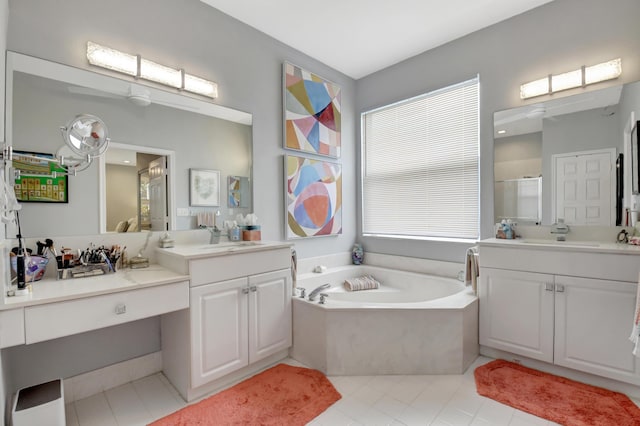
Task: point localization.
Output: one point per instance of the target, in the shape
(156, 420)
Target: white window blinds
(420, 165)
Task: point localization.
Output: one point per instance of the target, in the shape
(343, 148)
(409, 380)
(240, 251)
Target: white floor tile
(156, 397)
(495, 413)
(439, 400)
(127, 407)
(95, 411)
(390, 406)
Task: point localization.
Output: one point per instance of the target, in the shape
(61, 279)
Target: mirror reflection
(180, 132)
(557, 158)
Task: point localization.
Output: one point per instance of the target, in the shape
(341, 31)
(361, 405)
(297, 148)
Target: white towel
(365, 282)
(472, 268)
(635, 332)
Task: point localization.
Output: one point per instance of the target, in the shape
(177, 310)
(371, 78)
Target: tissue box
(251, 233)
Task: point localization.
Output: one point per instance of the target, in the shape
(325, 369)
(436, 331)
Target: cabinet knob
(548, 287)
(245, 291)
(559, 288)
(253, 288)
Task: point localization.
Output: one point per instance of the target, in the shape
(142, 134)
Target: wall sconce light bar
(139, 67)
(569, 80)
(112, 59)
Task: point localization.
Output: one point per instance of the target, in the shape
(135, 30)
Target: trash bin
(41, 404)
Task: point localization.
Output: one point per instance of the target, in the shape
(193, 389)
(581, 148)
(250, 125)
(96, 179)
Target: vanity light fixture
(139, 67)
(569, 80)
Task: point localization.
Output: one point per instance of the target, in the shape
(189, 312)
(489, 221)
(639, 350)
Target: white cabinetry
(238, 322)
(516, 312)
(239, 319)
(555, 316)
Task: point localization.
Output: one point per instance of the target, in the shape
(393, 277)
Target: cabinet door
(516, 312)
(593, 322)
(269, 313)
(218, 330)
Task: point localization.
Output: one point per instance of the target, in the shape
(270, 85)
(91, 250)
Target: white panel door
(593, 322)
(583, 185)
(269, 313)
(218, 330)
(516, 312)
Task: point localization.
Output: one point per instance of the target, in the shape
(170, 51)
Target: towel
(472, 268)
(635, 332)
(365, 282)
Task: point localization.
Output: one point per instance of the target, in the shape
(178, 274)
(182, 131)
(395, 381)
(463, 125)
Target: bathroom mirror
(557, 157)
(42, 96)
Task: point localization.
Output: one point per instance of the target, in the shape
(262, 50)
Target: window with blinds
(420, 172)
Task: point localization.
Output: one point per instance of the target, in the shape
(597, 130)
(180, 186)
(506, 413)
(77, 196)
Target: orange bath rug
(281, 395)
(554, 398)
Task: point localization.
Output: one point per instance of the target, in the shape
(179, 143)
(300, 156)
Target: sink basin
(562, 243)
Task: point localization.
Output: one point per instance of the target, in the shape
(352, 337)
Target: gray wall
(556, 37)
(121, 194)
(246, 64)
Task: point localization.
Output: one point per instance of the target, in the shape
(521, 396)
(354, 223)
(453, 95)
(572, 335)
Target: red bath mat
(554, 398)
(281, 395)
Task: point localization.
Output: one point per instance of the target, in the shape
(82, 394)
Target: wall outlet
(183, 212)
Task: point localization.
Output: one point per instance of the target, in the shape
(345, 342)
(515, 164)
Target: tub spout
(314, 293)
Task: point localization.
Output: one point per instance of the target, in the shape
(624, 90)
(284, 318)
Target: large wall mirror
(181, 132)
(557, 158)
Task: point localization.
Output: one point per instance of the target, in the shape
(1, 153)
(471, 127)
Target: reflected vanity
(42, 95)
(557, 158)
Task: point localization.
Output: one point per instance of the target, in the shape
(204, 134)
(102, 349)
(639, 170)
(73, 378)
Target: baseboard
(102, 379)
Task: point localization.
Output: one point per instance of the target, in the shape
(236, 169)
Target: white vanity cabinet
(238, 322)
(516, 312)
(239, 319)
(534, 303)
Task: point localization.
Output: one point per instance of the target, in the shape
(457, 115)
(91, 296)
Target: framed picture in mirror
(204, 187)
(37, 181)
(635, 159)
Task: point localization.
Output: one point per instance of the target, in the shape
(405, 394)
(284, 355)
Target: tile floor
(447, 400)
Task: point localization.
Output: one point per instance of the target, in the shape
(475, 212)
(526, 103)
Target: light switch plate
(183, 212)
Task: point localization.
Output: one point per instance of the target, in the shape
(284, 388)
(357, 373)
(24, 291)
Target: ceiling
(359, 37)
(528, 118)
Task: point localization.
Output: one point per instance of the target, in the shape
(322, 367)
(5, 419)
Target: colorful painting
(314, 197)
(312, 112)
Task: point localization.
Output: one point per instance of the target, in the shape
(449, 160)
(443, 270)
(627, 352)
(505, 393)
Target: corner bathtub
(413, 324)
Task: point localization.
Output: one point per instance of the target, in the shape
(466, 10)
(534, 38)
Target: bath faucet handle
(323, 298)
(303, 292)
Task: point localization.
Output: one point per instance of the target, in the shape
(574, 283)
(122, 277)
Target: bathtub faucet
(314, 293)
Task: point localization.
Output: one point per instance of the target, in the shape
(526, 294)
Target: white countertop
(551, 245)
(51, 290)
(198, 251)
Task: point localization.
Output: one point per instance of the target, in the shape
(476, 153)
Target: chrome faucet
(314, 293)
(561, 230)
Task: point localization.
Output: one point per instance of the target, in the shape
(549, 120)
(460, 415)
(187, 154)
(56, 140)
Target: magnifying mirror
(86, 135)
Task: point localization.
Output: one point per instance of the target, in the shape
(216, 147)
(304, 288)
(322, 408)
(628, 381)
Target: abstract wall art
(312, 112)
(314, 197)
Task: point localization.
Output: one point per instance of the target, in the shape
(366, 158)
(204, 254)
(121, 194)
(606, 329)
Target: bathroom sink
(562, 243)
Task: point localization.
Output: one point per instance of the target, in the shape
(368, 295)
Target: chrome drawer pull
(245, 291)
(548, 287)
(559, 288)
(253, 288)
(121, 308)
